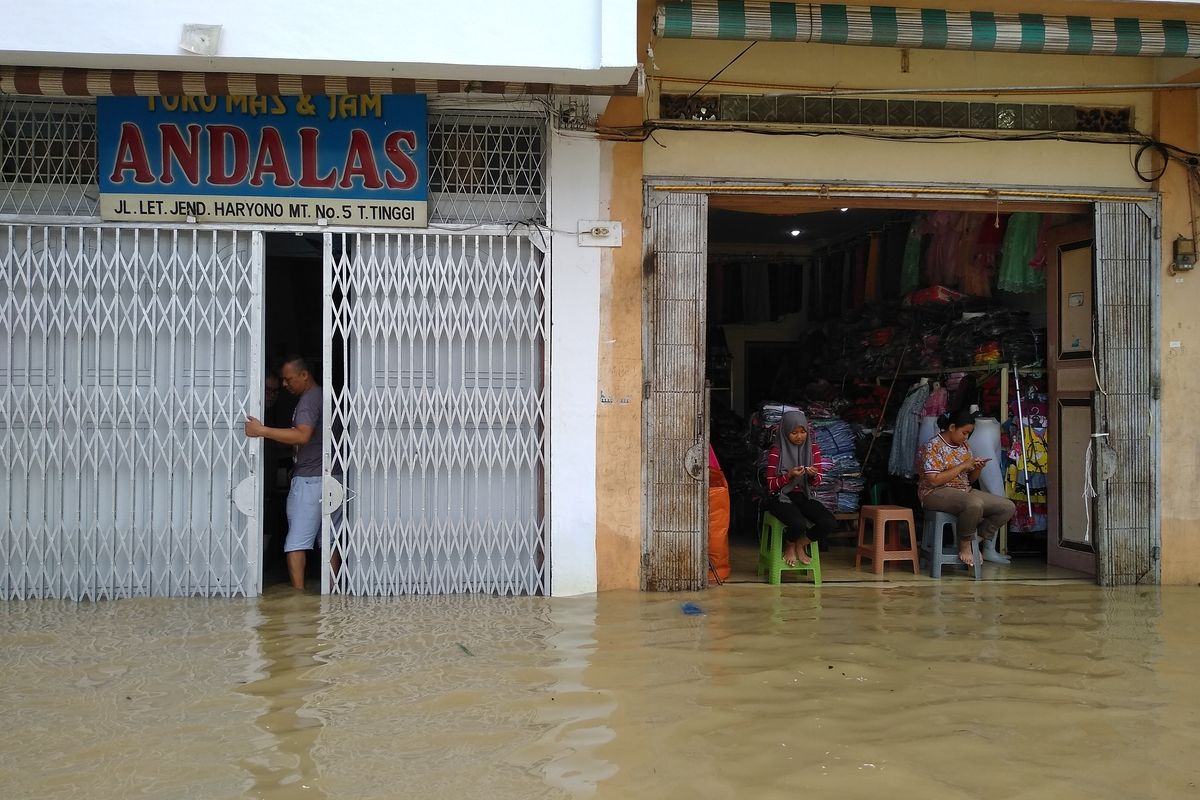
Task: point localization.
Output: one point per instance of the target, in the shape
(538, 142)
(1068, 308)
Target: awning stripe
(68, 82)
(783, 24)
(1079, 35)
(884, 26)
(731, 20)
(932, 28)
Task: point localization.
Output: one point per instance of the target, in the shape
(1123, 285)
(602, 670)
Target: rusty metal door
(1126, 438)
(675, 417)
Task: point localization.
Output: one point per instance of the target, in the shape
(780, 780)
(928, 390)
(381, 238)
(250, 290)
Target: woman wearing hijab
(793, 466)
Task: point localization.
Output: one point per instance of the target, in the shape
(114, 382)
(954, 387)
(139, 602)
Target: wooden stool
(885, 537)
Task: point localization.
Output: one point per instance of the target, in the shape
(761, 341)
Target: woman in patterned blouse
(948, 468)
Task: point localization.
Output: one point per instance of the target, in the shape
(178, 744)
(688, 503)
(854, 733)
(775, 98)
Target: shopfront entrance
(1092, 385)
(131, 354)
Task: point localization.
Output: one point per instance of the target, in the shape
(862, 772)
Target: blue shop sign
(347, 159)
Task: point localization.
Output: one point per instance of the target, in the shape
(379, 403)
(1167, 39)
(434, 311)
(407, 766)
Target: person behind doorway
(304, 436)
(794, 465)
(948, 468)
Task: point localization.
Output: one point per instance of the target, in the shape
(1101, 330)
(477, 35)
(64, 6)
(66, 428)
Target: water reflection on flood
(957, 690)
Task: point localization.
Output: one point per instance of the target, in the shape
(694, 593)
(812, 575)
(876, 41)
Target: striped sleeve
(819, 463)
(775, 481)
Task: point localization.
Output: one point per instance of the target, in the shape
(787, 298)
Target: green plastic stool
(770, 554)
(879, 494)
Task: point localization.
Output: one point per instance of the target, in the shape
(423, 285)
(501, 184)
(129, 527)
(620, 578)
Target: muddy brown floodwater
(950, 691)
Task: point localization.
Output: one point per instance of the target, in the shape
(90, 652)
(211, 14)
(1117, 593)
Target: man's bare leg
(295, 565)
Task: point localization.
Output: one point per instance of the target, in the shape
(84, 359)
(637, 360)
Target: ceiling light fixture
(843, 209)
(796, 232)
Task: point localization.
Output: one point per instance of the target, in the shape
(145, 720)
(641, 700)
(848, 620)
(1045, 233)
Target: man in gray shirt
(304, 436)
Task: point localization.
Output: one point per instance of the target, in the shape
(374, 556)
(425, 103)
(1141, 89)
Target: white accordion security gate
(129, 358)
(435, 418)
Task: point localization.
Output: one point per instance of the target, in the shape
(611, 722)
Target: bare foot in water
(964, 553)
(789, 554)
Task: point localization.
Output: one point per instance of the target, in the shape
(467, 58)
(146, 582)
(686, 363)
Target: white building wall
(567, 41)
(574, 332)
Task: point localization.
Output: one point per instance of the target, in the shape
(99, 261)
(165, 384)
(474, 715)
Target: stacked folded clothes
(842, 485)
(995, 337)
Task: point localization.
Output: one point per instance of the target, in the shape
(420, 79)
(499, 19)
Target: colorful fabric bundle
(841, 487)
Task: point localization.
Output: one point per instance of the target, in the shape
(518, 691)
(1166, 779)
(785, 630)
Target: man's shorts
(303, 513)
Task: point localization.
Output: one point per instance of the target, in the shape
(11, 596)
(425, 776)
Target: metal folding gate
(129, 358)
(1127, 298)
(675, 545)
(435, 421)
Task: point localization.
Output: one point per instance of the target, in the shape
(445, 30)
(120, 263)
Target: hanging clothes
(904, 440)
(1026, 461)
(964, 254)
(936, 405)
(910, 266)
(945, 227)
(980, 269)
(874, 252)
(1018, 253)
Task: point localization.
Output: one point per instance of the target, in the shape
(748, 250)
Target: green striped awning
(888, 26)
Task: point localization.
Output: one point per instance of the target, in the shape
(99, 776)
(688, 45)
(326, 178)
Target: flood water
(957, 690)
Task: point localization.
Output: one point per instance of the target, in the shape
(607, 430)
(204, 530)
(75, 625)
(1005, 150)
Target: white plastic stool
(933, 541)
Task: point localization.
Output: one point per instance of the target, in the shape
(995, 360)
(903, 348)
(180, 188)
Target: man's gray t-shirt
(308, 412)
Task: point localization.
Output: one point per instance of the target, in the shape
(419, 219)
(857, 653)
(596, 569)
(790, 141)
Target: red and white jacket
(777, 480)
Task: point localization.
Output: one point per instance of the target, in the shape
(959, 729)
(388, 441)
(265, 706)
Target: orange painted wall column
(1177, 123)
(619, 414)
(619, 495)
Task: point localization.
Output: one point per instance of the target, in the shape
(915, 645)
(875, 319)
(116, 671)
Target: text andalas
(233, 159)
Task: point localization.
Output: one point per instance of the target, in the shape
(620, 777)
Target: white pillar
(574, 381)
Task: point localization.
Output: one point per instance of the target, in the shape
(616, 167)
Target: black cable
(722, 69)
(1162, 152)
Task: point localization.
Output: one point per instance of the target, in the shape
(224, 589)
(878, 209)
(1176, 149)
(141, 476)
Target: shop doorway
(816, 305)
(293, 306)
(863, 317)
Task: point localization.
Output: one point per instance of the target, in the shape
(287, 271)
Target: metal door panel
(675, 544)
(1127, 292)
(438, 422)
(128, 361)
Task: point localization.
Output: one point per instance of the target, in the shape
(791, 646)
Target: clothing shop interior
(873, 321)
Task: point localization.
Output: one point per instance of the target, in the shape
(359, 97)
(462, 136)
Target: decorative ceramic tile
(818, 110)
(901, 113)
(1008, 116)
(845, 110)
(929, 114)
(873, 112)
(1062, 118)
(1035, 117)
(983, 116)
(735, 107)
(956, 115)
(763, 109)
(790, 108)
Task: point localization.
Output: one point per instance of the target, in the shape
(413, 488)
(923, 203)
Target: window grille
(48, 157)
(486, 168)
